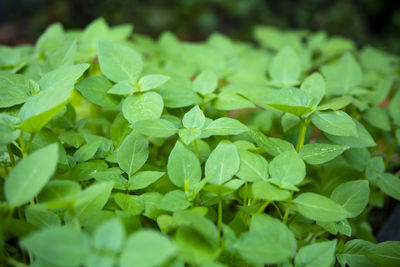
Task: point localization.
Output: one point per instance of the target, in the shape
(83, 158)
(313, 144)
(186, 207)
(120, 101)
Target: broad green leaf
(374, 168)
(285, 67)
(319, 208)
(378, 118)
(268, 192)
(271, 145)
(225, 126)
(231, 101)
(15, 89)
(253, 167)
(152, 81)
(58, 245)
(53, 37)
(288, 167)
(320, 153)
(183, 166)
(119, 62)
(269, 241)
(320, 254)
(342, 227)
(7, 131)
(225, 189)
(336, 123)
(95, 88)
(194, 118)
(30, 175)
(147, 248)
(86, 151)
(394, 108)
(189, 135)
(291, 100)
(155, 127)
(385, 253)
(145, 106)
(354, 254)
(173, 201)
(389, 184)
(133, 204)
(109, 236)
(40, 217)
(362, 139)
(124, 87)
(222, 163)
(314, 87)
(336, 103)
(206, 82)
(353, 196)
(143, 179)
(133, 153)
(357, 158)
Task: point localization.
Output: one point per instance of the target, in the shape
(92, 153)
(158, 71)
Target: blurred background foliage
(376, 22)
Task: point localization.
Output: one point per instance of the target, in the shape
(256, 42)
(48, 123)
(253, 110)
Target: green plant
(136, 152)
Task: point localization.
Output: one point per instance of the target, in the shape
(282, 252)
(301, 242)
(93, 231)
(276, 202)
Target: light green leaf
(320, 254)
(319, 208)
(133, 153)
(378, 118)
(183, 166)
(189, 135)
(336, 103)
(291, 100)
(40, 217)
(222, 163)
(194, 118)
(253, 167)
(145, 106)
(385, 253)
(320, 153)
(268, 192)
(124, 87)
(7, 131)
(285, 67)
(119, 62)
(152, 81)
(335, 122)
(30, 175)
(354, 254)
(143, 179)
(46, 245)
(15, 89)
(271, 145)
(95, 88)
(288, 167)
(375, 168)
(147, 248)
(390, 184)
(353, 196)
(394, 108)
(314, 87)
(231, 101)
(173, 201)
(225, 126)
(109, 236)
(86, 151)
(155, 127)
(206, 82)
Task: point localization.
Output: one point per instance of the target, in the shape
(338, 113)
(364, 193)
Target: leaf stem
(263, 206)
(196, 149)
(302, 135)
(286, 215)
(390, 153)
(11, 155)
(246, 192)
(219, 223)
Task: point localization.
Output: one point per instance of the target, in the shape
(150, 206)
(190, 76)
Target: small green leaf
(353, 196)
(362, 139)
(320, 153)
(173, 201)
(320, 254)
(119, 62)
(271, 145)
(390, 184)
(30, 175)
(225, 126)
(222, 163)
(285, 67)
(337, 123)
(147, 248)
(385, 253)
(253, 167)
(109, 236)
(291, 100)
(374, 168)
(133, 153)
(152, 81)
(86, 151)
(319, 208)
(189, 135)
(124, 87)
(142, 107)
(155, 127)
(205, 83)
(314, 87)
(354, 254)
(194, 118)
(268, 192)
(378, 118)
(394, 108)
(95, 89)
(143, 179)
(40, 217)
(288, 167)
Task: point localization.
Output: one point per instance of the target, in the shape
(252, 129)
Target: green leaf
(30, 175)
(230, 101)
(183, 166)
(285, 67)
(390, 184)
(362, 139)
(143, 179)
(194, 118)
(147, 248)
(336, 103)
(225, 126)
(375, 168)
(394, 108)
(45, 245)
(86, 151)
(378, 118)
(271, 145)
(354, 254)
(140, 107)
(222, 163)
(189, 135)
(269, 241)
(109, 236)
(40, 217)
(291, 100)
(152, 81)
(155, 127)
(7, 131)
(124, 87)
(133, 153)
(314, 87)
(319, 208)
(205, 83)
(15, 89)
(353, 196)
(320, 153)
(268, 192)
(337, 123)
(385, 253)
(253, 167)
(95, 88)
(173, 201)
(288, 167)
(119, 62)
(320, 254)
